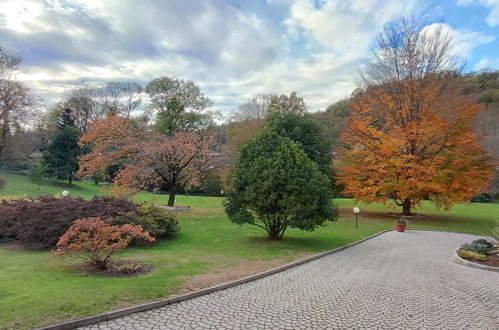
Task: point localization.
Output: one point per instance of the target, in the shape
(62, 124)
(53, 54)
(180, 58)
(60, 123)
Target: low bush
(476, 247)
(156, 220)
(483, 241)
(44, 219)
(471, 255)
(13, 197)
(483, 198)
(98, 239)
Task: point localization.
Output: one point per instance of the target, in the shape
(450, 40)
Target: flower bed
(481, 253)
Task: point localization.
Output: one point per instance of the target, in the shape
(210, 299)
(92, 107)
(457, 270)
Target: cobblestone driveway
(393, 281)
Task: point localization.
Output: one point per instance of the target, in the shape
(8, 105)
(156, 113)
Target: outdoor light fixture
(356, 210)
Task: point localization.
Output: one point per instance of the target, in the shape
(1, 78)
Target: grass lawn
(38, 289)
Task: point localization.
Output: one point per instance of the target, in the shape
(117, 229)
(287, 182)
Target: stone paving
(393, 281)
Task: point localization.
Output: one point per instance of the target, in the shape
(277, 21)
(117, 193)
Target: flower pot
(400, 227)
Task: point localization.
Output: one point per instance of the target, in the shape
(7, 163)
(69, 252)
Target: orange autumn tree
(404, 153)
(149, 159)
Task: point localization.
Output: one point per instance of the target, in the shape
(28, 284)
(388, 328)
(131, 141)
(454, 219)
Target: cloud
(343, 26)
(493, 17)
(464, 40)
(486, 63)
(230, 49)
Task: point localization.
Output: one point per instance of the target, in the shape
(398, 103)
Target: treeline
(45, 141)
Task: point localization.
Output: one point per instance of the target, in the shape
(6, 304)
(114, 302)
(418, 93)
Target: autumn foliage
(405, 147)
(43, 220)
(149, 159)
(98, 239)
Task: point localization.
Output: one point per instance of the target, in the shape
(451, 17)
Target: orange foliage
(112, 139)
(99, 239)
(183, 157)
(150, 159)
(406, 151)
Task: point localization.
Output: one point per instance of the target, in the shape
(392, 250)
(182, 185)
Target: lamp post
(356, 210)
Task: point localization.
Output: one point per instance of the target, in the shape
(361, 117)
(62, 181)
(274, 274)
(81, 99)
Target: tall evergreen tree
(63, 153)
(65, 118)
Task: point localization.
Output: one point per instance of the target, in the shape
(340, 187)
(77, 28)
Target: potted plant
(400, 225)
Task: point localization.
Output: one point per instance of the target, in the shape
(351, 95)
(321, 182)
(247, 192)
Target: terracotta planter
(400, 227)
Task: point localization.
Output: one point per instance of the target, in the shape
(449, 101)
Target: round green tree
(276, 186)
(308, 134)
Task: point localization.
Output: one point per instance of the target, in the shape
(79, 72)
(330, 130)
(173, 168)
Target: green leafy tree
(306, 133)
(276, 186)
(285, 104)
(179, 105)
(37, 172)
(62, 154)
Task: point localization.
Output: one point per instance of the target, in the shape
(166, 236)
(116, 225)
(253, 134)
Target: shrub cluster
(483, 241)
(471, 255)
(476, 247)
(156, 220)
(46, 218)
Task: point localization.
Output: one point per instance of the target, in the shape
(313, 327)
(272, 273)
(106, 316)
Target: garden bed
(481, 254)
(492, 261)
(123, 268)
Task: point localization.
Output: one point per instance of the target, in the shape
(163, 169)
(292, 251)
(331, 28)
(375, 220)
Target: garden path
(393, 281)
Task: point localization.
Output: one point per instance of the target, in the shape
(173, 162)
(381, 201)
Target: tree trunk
(101, 264)
(276, 231)
(171, 197)
(406, 207)
(70, 178)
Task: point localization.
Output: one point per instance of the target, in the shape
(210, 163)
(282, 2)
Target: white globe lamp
(356, 210)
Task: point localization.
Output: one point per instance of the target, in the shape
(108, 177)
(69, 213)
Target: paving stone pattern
(393, 281)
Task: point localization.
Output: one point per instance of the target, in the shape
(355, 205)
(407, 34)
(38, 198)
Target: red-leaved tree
(98, 239)
(150, 159)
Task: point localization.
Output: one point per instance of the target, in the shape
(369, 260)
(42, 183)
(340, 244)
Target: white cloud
(344, 26)
(464, 41)
(486, 63)
(232, 52)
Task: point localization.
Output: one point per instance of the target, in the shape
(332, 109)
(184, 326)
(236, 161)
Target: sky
(232, 49)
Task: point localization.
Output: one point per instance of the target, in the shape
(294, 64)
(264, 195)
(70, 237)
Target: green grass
(38, 289)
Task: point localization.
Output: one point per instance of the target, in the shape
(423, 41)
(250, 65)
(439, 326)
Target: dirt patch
(123, 268)
(235, 272)
(412, 216)
(492, 260)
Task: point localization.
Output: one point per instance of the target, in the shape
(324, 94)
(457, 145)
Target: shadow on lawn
(291, 242)
(67, 185)
(430, 219)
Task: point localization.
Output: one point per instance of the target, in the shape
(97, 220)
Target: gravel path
(393, 281)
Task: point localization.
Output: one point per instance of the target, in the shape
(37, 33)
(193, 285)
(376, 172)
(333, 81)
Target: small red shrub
(98, 239)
